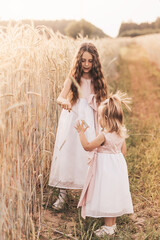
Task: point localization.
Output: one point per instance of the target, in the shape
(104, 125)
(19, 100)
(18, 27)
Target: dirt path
(144, 87)
(146, 102)
(146, 106)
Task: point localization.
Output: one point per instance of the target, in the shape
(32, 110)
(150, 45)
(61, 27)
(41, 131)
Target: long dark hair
(100, 87)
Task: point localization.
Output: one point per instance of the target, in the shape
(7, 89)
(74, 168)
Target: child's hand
(64, 104)
(81, 127)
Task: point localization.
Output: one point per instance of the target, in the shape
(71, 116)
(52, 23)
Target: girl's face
(87, 61)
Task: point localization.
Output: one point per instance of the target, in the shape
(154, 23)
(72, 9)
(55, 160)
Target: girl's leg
(61, 199)
(110, 221)
(62, 193)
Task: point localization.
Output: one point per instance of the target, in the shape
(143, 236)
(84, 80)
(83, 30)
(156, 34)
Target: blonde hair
(112, 112)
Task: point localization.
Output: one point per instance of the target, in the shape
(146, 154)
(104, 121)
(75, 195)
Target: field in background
(34, 65)
(141, 79)
(151, 44)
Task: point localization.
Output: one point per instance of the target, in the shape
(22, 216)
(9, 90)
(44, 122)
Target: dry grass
(151, 44)
(140, 79)
(34, 64)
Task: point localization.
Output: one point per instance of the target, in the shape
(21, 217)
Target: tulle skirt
(69, 165)
(111, 195)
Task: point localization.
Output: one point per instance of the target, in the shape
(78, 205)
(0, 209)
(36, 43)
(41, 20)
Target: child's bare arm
(88, 146)
(62, 98)
(123, 148)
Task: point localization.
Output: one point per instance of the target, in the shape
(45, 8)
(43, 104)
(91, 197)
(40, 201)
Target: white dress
(69, 164)
(111, 195)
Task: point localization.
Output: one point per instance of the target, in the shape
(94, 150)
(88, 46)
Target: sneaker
(58, 205)
(105, 230)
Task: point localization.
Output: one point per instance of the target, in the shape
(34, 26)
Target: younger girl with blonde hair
(106, 190)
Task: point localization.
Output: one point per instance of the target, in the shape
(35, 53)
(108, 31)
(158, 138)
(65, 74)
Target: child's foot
(104, 230)
(58, 205)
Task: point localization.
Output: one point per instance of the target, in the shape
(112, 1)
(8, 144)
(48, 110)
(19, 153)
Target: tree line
(71, 28)
(131, 29)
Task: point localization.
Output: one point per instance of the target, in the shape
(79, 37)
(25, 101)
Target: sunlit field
(34, 63)
(151, 44)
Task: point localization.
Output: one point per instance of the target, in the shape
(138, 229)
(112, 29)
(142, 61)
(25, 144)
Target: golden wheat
(34, 65)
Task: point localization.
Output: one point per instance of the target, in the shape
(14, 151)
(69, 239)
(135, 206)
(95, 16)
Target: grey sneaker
(58, 205)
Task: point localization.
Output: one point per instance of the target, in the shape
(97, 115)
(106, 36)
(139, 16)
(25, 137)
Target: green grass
(143, 158)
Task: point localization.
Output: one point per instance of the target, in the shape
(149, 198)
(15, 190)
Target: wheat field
(34, 65)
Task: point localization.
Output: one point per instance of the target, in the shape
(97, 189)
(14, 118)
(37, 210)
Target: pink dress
(106, 191)
(69, 165)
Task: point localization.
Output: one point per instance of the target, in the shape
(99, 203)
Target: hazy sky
(105, 14)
